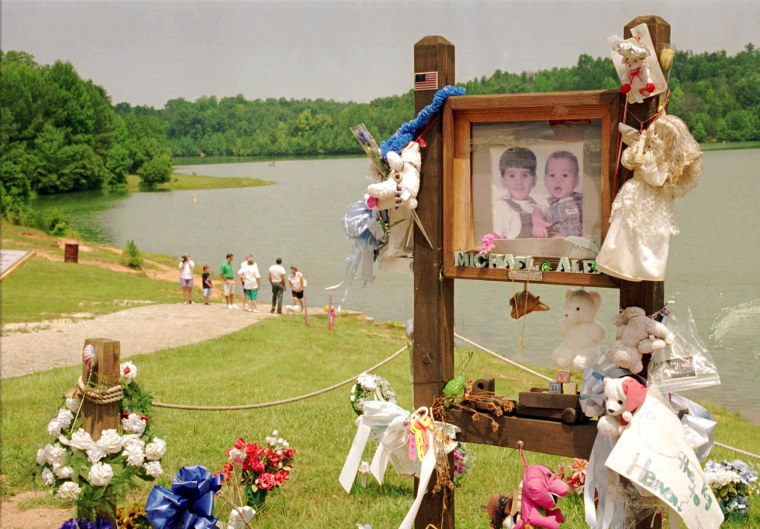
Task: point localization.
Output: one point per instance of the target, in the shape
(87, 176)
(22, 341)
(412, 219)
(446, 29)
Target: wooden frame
(462, 118)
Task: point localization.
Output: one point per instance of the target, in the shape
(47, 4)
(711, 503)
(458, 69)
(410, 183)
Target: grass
(730, 145)
(181, 182)
(280, 358)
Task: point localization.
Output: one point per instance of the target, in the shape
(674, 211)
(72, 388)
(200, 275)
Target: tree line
(61, 133)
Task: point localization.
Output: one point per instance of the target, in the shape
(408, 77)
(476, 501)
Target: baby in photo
(561, 213)
(513, 211)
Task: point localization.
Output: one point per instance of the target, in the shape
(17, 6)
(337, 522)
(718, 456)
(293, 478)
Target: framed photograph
(533, 174)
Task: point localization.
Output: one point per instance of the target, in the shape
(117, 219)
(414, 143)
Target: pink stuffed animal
(540, 486)
(636, 335)
(622, 397)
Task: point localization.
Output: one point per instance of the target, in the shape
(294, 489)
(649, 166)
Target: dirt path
(140, 330)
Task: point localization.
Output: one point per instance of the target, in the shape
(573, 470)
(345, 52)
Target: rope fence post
(99, 415)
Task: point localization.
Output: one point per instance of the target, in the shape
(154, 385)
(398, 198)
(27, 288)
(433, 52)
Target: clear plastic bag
(685, 364)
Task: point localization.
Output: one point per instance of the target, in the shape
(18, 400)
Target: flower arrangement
(370, 387)
(133, 517)
(574, 475)
(733, 484)
(93, 474)
(253, 470)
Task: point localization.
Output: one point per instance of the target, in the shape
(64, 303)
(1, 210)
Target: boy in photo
(561, 213)
(513, 212)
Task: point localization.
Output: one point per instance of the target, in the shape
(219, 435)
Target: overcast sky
(148, 52)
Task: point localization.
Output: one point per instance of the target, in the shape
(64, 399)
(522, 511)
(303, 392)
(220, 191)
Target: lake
(712, 268)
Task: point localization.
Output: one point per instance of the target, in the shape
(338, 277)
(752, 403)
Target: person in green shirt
(229, 281)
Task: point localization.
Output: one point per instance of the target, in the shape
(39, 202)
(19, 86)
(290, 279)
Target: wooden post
(433, 361)
(649, 295)
(105, 373)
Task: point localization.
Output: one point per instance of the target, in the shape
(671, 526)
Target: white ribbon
(611, 505)
(428, 465)
(377, 416)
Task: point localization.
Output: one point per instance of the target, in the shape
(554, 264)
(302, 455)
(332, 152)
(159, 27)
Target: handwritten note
(653, 453)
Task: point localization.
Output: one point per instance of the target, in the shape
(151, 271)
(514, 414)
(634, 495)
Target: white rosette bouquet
(93, 474)
(370, 387)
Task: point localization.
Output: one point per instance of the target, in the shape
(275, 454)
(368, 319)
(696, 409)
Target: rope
(743, 452)
(278, 402)
(100, 396)
(497, 355)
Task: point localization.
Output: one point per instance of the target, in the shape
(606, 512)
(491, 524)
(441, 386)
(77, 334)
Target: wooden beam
(546, 437)
(105, 373)
(433, 359)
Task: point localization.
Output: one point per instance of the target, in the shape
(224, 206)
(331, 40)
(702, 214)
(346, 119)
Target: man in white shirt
(277, 279)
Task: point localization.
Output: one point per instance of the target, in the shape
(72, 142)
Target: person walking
(297, 284)
(229, 281)
(277, 279)
(249, 275)
(186, 266)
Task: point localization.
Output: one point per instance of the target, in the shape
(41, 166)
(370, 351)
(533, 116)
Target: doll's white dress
(641, 223)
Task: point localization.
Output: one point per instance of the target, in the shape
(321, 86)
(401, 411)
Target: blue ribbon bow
(190, 503)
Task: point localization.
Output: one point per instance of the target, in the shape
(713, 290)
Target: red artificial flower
(289, 453)
(226, 471)
(240, 443)
(254, 450)
(256, 465)
(274, 458)
(266, 481)
(281, 477)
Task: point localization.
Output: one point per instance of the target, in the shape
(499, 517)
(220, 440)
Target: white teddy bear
(622, 397)
(636, 336)
(582, 331)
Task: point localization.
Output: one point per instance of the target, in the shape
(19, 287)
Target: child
(560, 214)
(512, 212)
(206, 284)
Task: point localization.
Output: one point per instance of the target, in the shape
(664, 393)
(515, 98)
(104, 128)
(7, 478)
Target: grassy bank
(727, 146)
(185, 182)
(281, 358)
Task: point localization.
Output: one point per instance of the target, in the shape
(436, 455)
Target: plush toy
(637, 82)
(398, 195)
(524, 303)
(539, 487)
(582, 331)
(622, 397)
(666, 164)
(502, 510)
(636, 335)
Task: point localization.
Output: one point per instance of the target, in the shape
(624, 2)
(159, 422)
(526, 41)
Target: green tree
(155, 171)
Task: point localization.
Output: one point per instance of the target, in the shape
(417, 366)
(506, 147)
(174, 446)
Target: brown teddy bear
(636, 335)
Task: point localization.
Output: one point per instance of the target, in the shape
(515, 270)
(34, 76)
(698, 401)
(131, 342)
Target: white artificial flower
(54, 427)
(69, 491)
(110, 441)
(134, 455)
(65, 417)
(130, 441)
(73, 404)
(155, 450)
(236, 522)
(41, 458)
(134, 424)
(153, 468)
(100, 474)
(95, 453)
(63, 472)
(367, 381)
(236, 453)
(55, 454)
(80, 440)
(47, 477)
(128, 371)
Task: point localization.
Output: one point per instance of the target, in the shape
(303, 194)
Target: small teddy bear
(637, 82)
(622, 397)
(582, 331)
(636, 335)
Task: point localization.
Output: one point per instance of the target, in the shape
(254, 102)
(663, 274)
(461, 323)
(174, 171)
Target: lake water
(712, 268)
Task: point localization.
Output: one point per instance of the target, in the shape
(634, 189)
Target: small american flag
(426, 81)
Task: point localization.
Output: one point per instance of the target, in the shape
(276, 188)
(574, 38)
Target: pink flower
(372, 202)
(487, 243)
(266, 481)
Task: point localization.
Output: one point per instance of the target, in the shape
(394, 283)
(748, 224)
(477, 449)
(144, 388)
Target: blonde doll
(666, 163)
